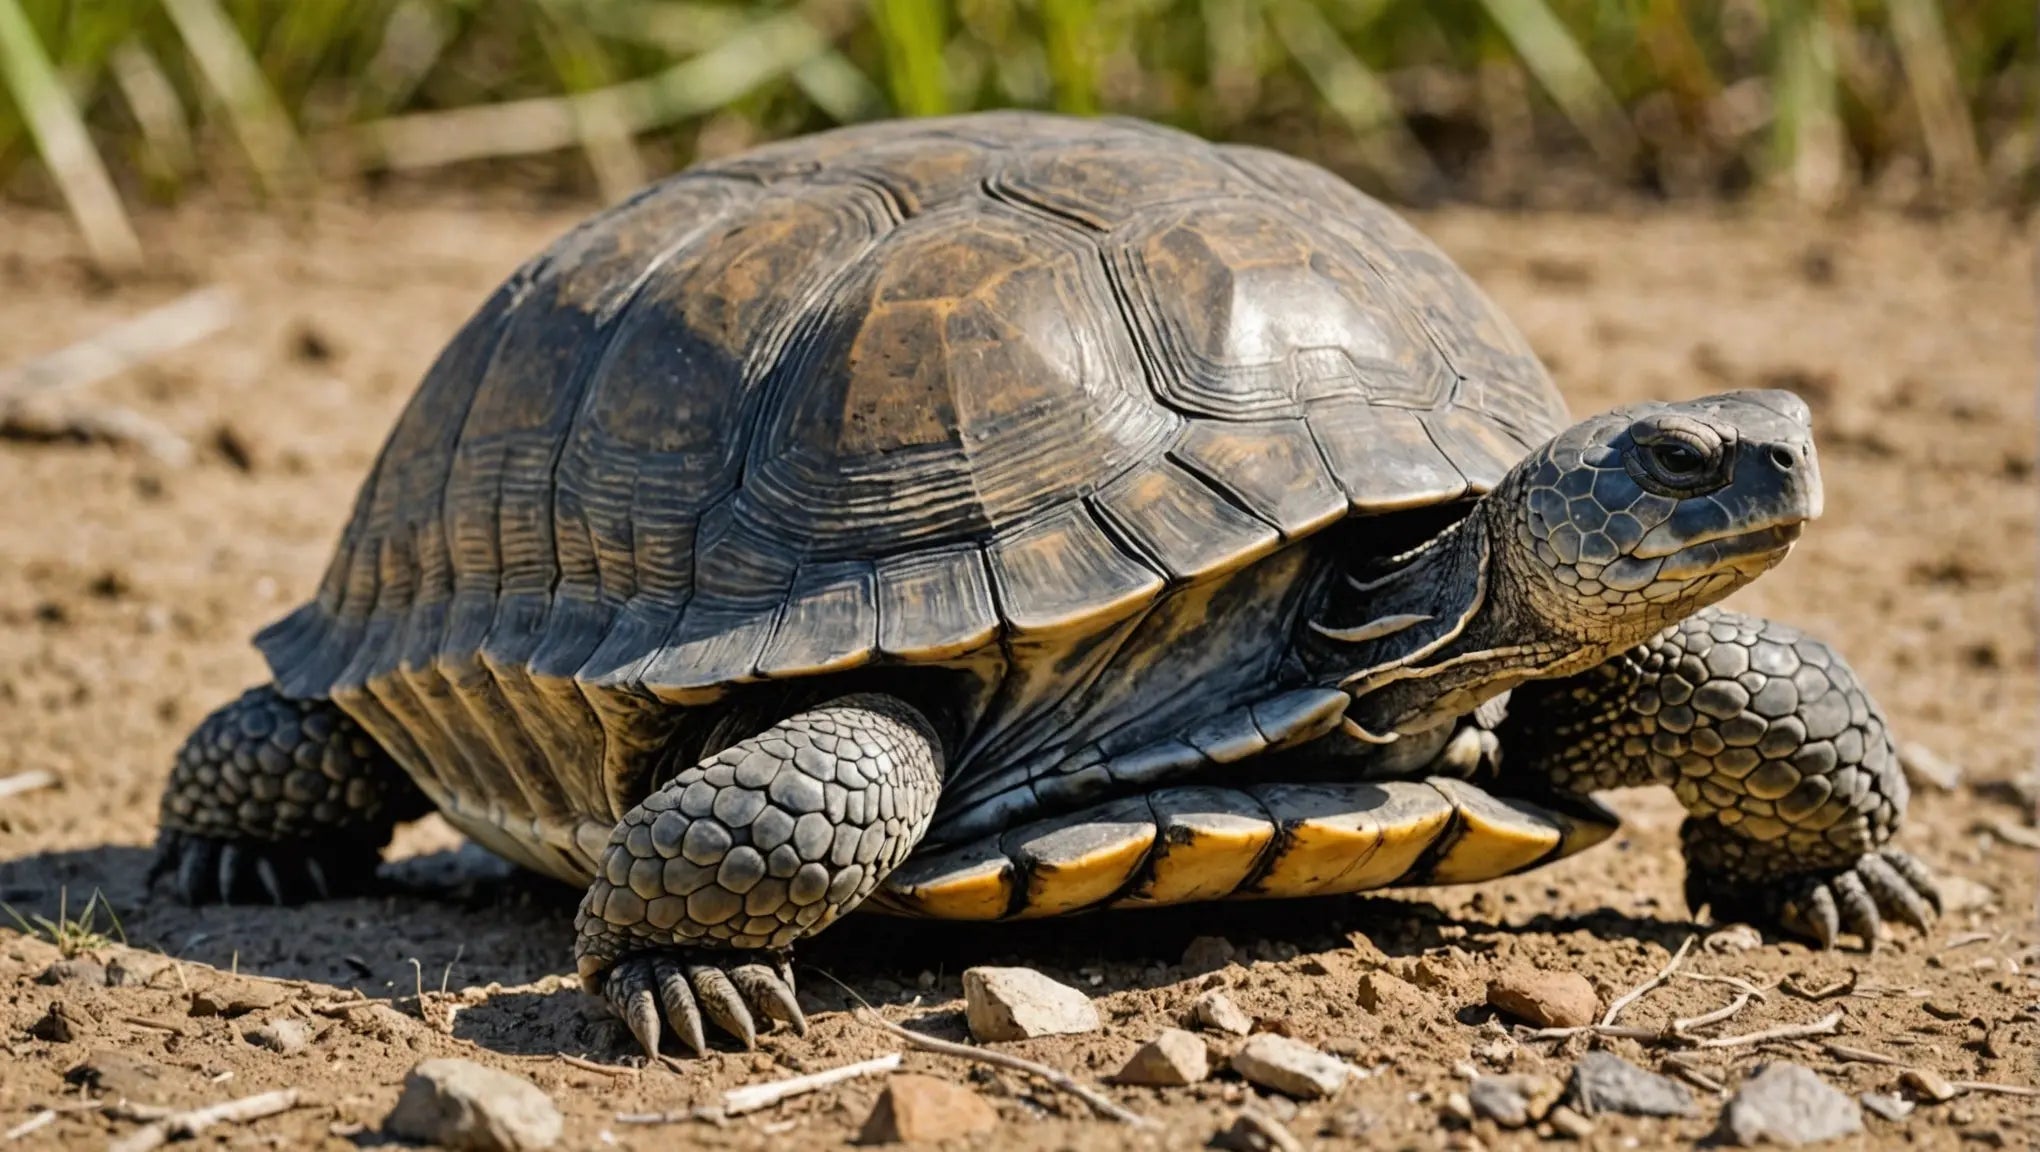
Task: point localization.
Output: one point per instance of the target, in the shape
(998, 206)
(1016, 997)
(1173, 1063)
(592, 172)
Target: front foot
(1822, 905)
(680, 985)
(215, 870)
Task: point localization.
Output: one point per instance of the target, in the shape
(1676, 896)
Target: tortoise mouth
(1765, 546)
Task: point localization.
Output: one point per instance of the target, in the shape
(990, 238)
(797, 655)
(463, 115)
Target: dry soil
(128, 589)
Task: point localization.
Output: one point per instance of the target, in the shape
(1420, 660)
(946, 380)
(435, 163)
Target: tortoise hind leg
(707, 883)
(278, 800)
(1784, 763)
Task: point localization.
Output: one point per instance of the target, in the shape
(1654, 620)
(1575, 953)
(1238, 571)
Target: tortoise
(1011, 515)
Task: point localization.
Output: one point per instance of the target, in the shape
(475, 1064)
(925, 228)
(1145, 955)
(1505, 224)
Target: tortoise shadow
(462, 918)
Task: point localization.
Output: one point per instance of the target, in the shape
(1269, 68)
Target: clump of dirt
(129, 586)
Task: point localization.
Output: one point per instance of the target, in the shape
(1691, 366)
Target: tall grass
(109, 101)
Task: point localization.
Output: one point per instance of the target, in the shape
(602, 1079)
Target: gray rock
(1789, 1104)
(1925, 768)
(1515, 1100)
(1208, 953)
(1605, 1082)
(1889, 1107)
(1022, 1004)
(1216, 1011)
(462, 1105)
(284, 1037)
(1171, 1060)
(73, 971)
(1289, 1066)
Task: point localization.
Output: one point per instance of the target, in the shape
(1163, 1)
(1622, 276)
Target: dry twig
(1099, 1102)
(1637, 993)
(1987, 1086)
(30, 781)
(186, 1124)
(40, 1120)
(159, 331)
(1825, 1026)
(592, 1066)
(1846, 1053)
(1682, 1027)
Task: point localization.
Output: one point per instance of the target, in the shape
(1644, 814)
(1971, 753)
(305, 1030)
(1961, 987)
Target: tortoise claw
(735, 990)
(1858, 899)
(213, 870)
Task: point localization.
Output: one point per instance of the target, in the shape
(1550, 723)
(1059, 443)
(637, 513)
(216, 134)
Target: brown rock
(285, 1037)
(1544, 998)
(1171, 1060)
(1928, 1085)
(917, 1108)
(1382, 991)
(232, 1000)
(1216, 1011)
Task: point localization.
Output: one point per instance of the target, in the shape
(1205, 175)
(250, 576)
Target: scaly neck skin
(1457, 623)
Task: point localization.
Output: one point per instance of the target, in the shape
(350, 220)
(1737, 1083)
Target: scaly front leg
(709, 881)
(1782, 760)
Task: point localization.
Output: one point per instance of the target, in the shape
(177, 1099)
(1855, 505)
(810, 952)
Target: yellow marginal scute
(1082, 860)
(973, 882)
(1342, 838)
(1496, 837)
(1208, 842)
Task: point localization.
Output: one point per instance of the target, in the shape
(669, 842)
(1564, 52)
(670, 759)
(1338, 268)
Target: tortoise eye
(1676, 459)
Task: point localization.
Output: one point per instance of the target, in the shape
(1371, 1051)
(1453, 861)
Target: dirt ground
(128, 590)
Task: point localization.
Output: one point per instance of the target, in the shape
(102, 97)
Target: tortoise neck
(1435, 632)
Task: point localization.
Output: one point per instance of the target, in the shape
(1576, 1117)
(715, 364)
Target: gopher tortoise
(1013, 515)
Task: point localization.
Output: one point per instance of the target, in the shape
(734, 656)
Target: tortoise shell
(889, 394)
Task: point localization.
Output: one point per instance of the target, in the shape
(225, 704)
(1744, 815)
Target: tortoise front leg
(279, 800)
(1783, 761)
(709, 881)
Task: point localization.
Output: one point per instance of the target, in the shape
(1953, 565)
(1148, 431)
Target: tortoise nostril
(1783, 458)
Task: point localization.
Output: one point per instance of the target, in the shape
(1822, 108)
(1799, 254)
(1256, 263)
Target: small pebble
(1734, 938)
(1173, 1059)
(1789, 1104)
(1515, 1100)
(1384, 992)
(1569, 1124)
(1928, 1085)
(62, 1023)
(915, 1108)
(463, 1105)
(1289, 1066)
(1889, 1107)
(1544, 998)
(1256, 1131)
(284, 1037)
(1216, 1011)
(1022, 1004)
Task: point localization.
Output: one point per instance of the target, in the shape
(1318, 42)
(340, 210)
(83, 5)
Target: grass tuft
(1829, 101)
(73, 935)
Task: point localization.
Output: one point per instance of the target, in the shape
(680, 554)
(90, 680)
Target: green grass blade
(159, 113)
(582, 66)
(253, 110)
(1551, 54)
(58, 129)
(1354, 93)
(839, 88)
(1071, 35)
(911, 31)
(1922, 41)
(766, 51)
(1808, 147)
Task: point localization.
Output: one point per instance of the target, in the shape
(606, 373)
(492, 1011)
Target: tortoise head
(1619, 526)
(1643, 515)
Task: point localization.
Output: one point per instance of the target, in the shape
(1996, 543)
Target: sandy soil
(128, 589)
